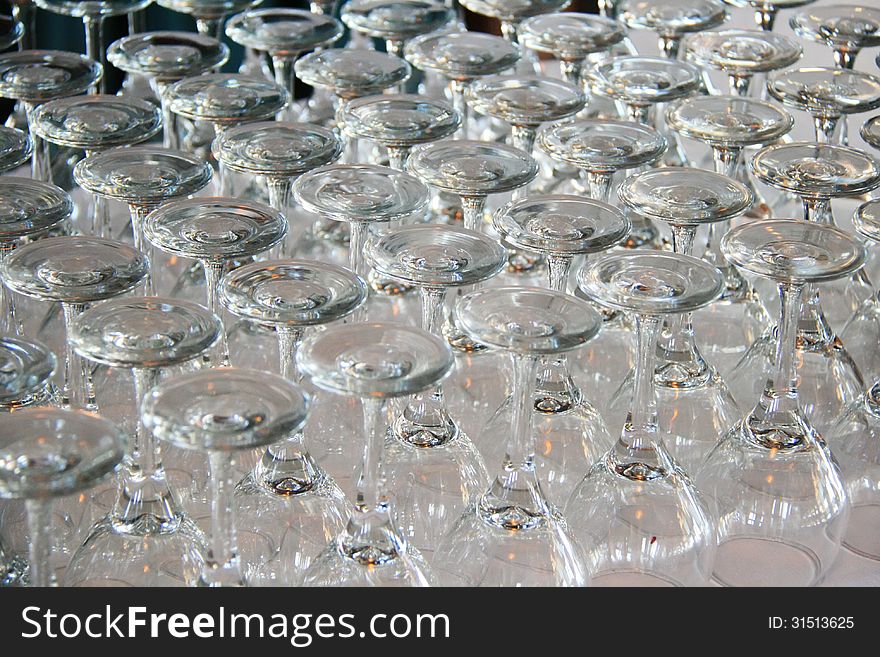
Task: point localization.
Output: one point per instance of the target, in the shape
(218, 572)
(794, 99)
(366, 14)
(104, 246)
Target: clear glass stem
(558, 268)
(669, 45)
(726, 159)
(640, 429)
(639, 113)
(739, 85)
(137, 21)
(289, 338)
(210, 26)
(571, 70)
(359, 233)
(169, 118)
(77, 378)
(397, 156)
(457, 89)
(39, 521)
(765, 18)
(844, 58)
(599, 184)
(94, 26)
(818, 210)
(221, 564)
(370, 483)
(41, 168)
(394, 47)
(473, 208)
(213, 274)
(8, 321)
(286, 77)
(279, 198)
(825, 126)
(26, 14)
(523, 137)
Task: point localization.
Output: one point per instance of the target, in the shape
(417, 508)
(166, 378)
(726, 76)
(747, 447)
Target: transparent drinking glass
(209, 14)
(395, 21)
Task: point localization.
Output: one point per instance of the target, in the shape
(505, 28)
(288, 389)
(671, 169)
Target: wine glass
(566, 427)
(741, 54)
(284, 34)
(395, 21)
(728, 124)
(143, 177)
(74, 271)
(165, 58)
(862, 331)
(35, 76)
(643, 82)
(224, 412)
(280, 153)
(289, 500)
(209, 14)
(26, 371)
(49, 453)
(672, 20)
(432, 466)
(461, 57)
(93, 14)
(145, 538)
(570, 37)
(361, 195)
(694, 404)
(374, 362)
(28, 208)
(512, 535)
(778, 495)
(767, 10)
(525, 102)
(215, 231)
(510, 14)
(827, 94)
(96, 123)
(399, 122)
(637, 514)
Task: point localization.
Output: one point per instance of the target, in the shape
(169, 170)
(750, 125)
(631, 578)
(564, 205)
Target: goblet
(767, 10)
(861, 332)
(28, 208)
(509, 14)
(94, 124)
(827, 94)
(284, 34)
(16, 148)
(93, 14)
(460, 57)
(224, 412)
(778, 496)
(817, 173)
(525, 102)
(215, 231)
(570, 37)
(694, 404)
(512, 535)
(640, 83)
(600, 148)
(374, 362)
(360, 195)
(846, 29)
(49, 453)
(672, 20)
(26, 371)
(145, 538)
(289, 500)
(209, 14)
(568, 430)
(395, 21)
(472, 170)
(278, 152)
(741, 54)
(226, 100)
(35, 76)
(728, 124)
(144, 177)
(636, 513)
(74, 271)
(164, 58)
(399, 122)
(854, 435)
(433, 467)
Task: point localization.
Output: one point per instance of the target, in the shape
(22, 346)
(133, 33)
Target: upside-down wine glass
(395, 21)
(224, 412)
(512, 535)
(145, 538)
(50, 453)
(375, 362)
(209, 14)
(432, 466)
(778, 495)
(767, 10)
(289, 500)
(637, 514)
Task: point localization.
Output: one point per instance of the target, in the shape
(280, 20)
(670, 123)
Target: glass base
(333, 567)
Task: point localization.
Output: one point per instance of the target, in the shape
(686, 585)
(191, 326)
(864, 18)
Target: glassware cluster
(537, 309)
